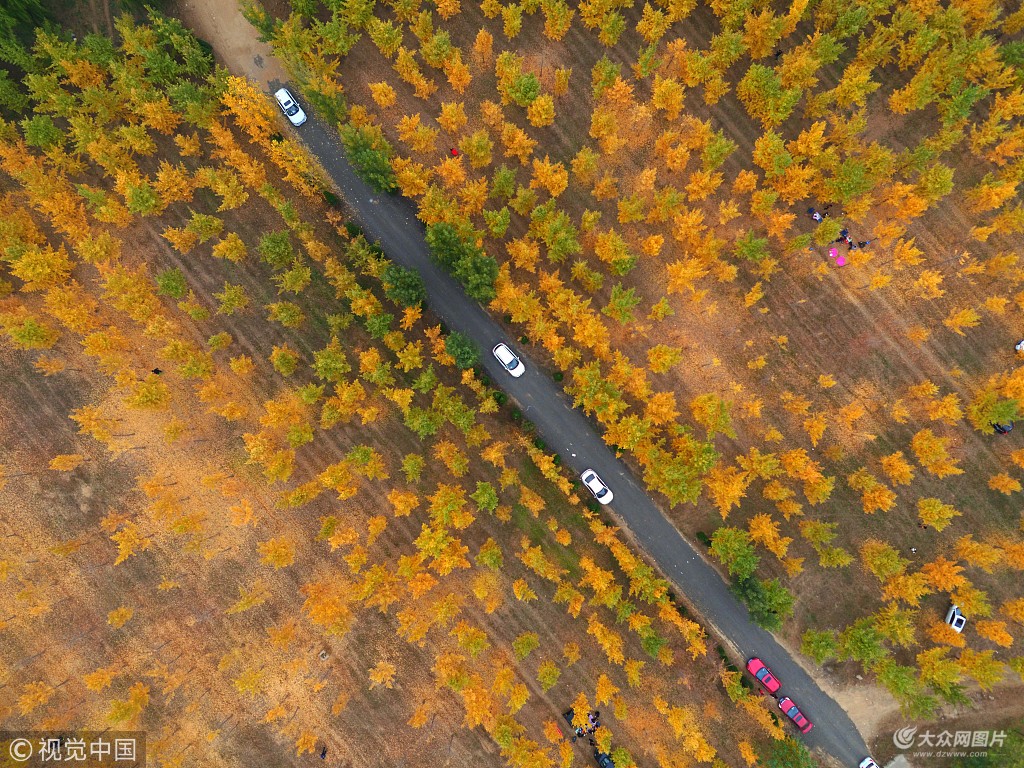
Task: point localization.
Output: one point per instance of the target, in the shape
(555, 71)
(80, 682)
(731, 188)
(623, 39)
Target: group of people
(817, 215)
(844, 237)
(593, 723)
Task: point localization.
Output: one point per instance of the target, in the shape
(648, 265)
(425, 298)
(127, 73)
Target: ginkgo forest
(259, 502)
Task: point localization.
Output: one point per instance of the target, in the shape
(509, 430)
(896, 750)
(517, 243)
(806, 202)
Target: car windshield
(512, 363)
(762, 673)
(793, 712)
(601, 493)
(291, 110)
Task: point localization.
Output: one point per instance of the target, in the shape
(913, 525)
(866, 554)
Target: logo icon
(904, 737)
(20, 749)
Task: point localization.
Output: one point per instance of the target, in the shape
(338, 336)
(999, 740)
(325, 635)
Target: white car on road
(867, 762)
(597, 487)
(287, 104)
(509, 361)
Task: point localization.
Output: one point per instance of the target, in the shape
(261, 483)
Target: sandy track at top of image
(237, 46)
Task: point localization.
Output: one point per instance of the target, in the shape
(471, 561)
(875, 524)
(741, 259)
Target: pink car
(790, 709)
(764, 675)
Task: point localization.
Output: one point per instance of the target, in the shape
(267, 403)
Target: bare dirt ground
(236, 44)
(1004, 700)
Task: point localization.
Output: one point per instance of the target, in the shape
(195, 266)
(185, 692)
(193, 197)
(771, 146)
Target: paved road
(393, 222)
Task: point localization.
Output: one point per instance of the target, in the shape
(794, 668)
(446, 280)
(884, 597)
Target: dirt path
(237, 46)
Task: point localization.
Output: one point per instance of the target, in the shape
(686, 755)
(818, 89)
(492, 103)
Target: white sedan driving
(287, 104)
(597, 487)
(509, 361)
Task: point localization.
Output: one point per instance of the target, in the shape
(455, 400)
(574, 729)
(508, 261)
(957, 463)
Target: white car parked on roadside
(287, 104)
(597, 487)
(509, 361)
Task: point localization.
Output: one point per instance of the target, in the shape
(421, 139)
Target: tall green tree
(735, 550)
(768, 601)
(463, 258)
(404, 286)
(370, 154)
(764, 96)
(463, 349)
(789, 753)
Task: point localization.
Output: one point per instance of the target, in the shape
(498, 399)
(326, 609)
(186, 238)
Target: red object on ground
(455, 152)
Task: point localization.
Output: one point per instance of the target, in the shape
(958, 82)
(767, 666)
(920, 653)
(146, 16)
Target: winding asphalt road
(392, 220)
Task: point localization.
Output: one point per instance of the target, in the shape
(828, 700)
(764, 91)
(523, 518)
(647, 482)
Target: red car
(764, 675)
(786, 705)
